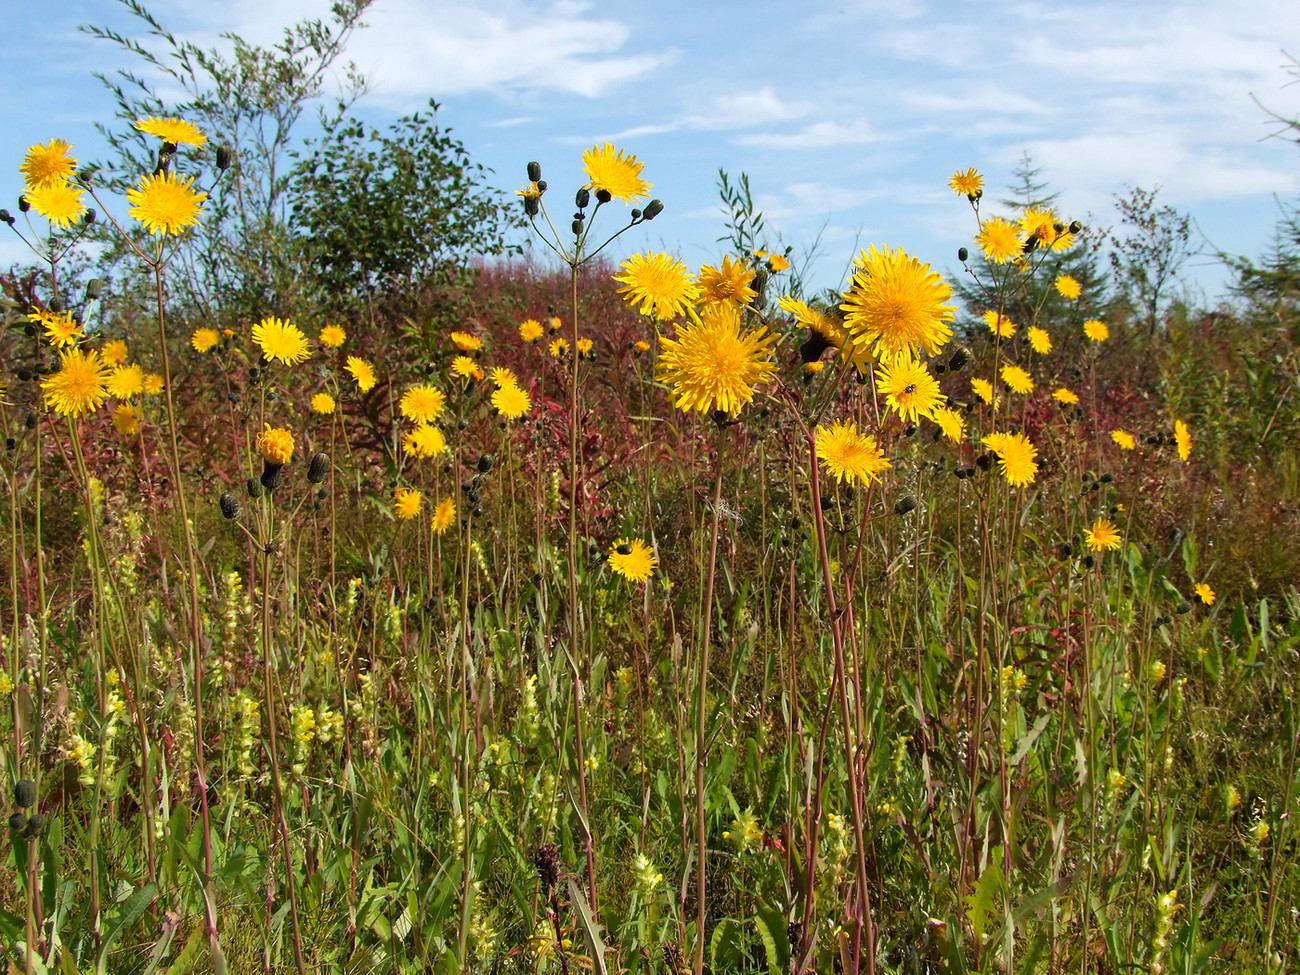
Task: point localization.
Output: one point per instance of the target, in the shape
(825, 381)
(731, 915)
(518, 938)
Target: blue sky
(848, 116)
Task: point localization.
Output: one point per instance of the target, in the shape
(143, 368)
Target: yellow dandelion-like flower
(323, 403)
(1205, 594)
(776, 263)
(908, 388)
(814, 319)
(281, 341)
(558, 348)
(204, 339)
(501, 376)
(968, 183)
(511, 402)
(715, 363)
(1123, 440)
(1183, 440)
(48, 164)
(984, 390)
(728, 283)
(999, 240)
(585, 347)
(59, 203)
(613, 174)
(554, 323)
(466, 342)
(275, 445)
(114, 352)
(1068, 287)
(444, 516)
(1042, 230)
(1095, 330)
(124, 382)
(849, 454)
(1017, 457)
(999, 324)
(895, 304)
(407, 504)
(333, 336)
(814, 367)
(1065, 397)
(126, 420)
(61, 330)
(164, 203)
(425, 441)
(176, 131)
(1039, 340)
(1102, 535)
(640, 346)
(951, 422)
(464, 366)
(362, 371)
(1017, 379)
(80, 385)
(153, 384)
(422, 404)
(658, 283)
(530, 330)
(633, 559)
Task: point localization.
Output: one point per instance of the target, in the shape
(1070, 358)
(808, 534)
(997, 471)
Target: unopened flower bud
(318, 468)
(7, 217)
(272, 475)
(534, 172)
(254, 487)
(225, 156)
(959, 359)
(962, 254)
(653, 209)
(90, 216)
(541, 185)
(577, 228)
(35, 824)
(25, 793)
(17, 822)
(603, 196)
(1075, 227)
(531, 206)
(229, 506)
(485, 463)
(24, 204)
(93, 287)
(582, 197)
(905, 504)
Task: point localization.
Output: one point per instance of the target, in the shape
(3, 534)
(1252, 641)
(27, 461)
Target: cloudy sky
(847, 115)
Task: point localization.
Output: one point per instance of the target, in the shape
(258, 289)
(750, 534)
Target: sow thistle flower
(80, 385)
(984, 390)
(1017, 379)
(1039, 340)
(362, 372)
(908, 388)
(204, 339)
(1123, 440)
(530, 330)
(174, 130)
(715, 363)
(281, 341)
(1065, 397)
(1102, 535)
(276, 445)
(1183, 440)
(1068, 287)
(48, 164)
(422, 404)
(1205, 594)
(1017, 457)
(614, 175)
(114, 352)
(61, 329)
(164, 203)
(895, 304)
(407, 504)
(728, 283)
(333, 336)
(968, 183)
(999, 240)
(465, 367)
(951, 423)
(125, 382)
(849, 454)
(659, 284)
(425, 441)
(633, 559)
(444, 516)
(323, 403)
(59, 203)
(999, 324)
(466, 341)
(511, 402)
(1042, 230)
(126, 420)
(558, 348)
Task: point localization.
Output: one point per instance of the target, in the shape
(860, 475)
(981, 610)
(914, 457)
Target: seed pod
(229, 506)
(318, 468)
(25, 793)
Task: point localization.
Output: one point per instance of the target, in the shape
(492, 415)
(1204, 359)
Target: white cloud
(747, 108)
(818, 135)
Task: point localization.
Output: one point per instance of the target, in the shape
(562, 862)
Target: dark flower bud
(547, 862)
(24, 204)
(17, 822)
(958, 359)
(90, 216)
(229, 506)
(534, 172)
(1106, 478)
(485, 463)
(35, 824)
(963, 254)
(271, 548)
(653, 209)
(983, 461)
(7, 217)
(970, 472)
(25, 374)
(25, 793)
(1160, 621)
(1183, 608)
(624, 549)
(541, 185)
(1075, 226)
(576, 227)
(321, 494)
(318, 468)
(796, 523)
(472, 497)
(225, 156)
(940, 369)
(582, 198)
(961, 473)
(531, 206)
(1066, 550)
(477, 512)
(93, 288)
(904, 504)
(909, 430)
(462, 423)
(254, 487)
(272, 475)
(29, 420)
(11, 444)
(603, 196)
(636, 214)
(827, 502)
(1089, 561)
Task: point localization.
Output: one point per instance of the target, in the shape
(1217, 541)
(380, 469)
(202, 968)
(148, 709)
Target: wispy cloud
(818, 135)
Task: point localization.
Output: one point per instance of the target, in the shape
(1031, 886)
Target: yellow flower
(999, 240)
(1017, 457)
(176, 131)
(153, 384)
(79, 387)
(984, 390)
(715, 363)
(1205, 593)
(1102, 535)
(530, 330)
(951, 422)
(114, 352)
(164, 203)
(1095, 330)
(1123, 440)
(1065, 397)
(332, 336)
(281, 341)
(466, 342)
(658, 283)
(1039, 340)
(585, 346)
(554, 323)
(814, 367)
(125, 382)
(511, 402)
(1017, 380)
(204, 339)
(425, 441)
(614, 175)
(323, 403)
(276, 445)
(640, 346)
(464, 366)
(1183, 439)
(1158, 671)
(968, 183)
(59, 203)
(895, 304)
(407, 504)
(776, 263)
(61, 329)
(633, 559)
(362, 372)
(1042, 230)
(1116, 780)
(849, 454)
(999, 324)
(48, 164)
(126, 420)
(908, 388)
(814, 319)
(1068, 287)
(444, 516)
(558, 348)
(422, 404)
(502, 376)
(730, 282)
